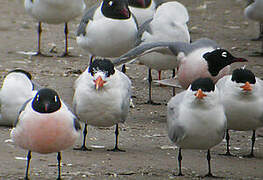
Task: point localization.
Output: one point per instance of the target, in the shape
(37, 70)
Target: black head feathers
(116, 9)
(21, 71)
(103, 65)
(218, 59)
(205, 84)
(140, 3)
(243, 76)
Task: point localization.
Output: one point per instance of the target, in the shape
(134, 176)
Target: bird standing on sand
(45, 125)
(241, 95)
(54, 12)
(102, 97)
(196, 119)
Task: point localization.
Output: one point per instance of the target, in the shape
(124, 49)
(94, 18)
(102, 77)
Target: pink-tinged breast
(45, 135)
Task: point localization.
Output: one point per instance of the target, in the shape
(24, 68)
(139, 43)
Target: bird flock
(213, 100)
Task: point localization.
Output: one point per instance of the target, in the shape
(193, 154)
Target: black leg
(180, 162)
(260, 36)
(59, 162)
(116, 148)
(253, 139)
(227, 143)
(123, 68)
(66, 53)
(173, 77)
(208, 157)
(28, 164)
(150, 101)
(83, 147)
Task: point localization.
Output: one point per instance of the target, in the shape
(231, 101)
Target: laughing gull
(54, 12)
(102, 97)
(254, 11)
(201, 58)
(16, 89)
(107, 29)
(169, 24)
(241, 95)
(45, 125)
(196, 119)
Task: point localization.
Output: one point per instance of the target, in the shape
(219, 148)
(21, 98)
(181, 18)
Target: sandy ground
(149, 153)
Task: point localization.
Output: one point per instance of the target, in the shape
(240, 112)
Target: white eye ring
(224, 54)
(56, 99)
(110, 3)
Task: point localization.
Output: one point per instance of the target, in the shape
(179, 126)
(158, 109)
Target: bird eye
(56, 99)
(110, 3)
(38, 97)
(224, 54)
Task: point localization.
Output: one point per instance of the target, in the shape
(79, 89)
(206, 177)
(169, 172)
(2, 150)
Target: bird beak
(125, 12)
(246, 87)
(46, 107)
(239, 59)
(142, 2)
(200, 94)
(99, 83)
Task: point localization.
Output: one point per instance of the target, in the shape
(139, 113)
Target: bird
(260, 36)
(201, 58)
(241, 95)
(54, 12)
(254, 12)
(169, 23)
(102, 97)
(108, 29)
(196, 119)
(16, 89)
(144, 10)
(45, 125)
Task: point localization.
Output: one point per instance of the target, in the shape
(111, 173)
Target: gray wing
(88, 15)
(188, 48)
(23, 107)
(144, 27)
(142, 50)
(175, 130)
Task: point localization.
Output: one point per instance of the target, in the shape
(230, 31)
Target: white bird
(107, 29)
(201, 58)
(169, 24)
(254, 11)
(260, 36)
(54, 12)
(241, 95)
(45, 125)
(16, 89)
(144, 10)
(196, 119)
(102, 97)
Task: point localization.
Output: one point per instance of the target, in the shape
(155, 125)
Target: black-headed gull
(196, 118)
(169, 23)
(45, 125)
(54, 12)
(201, 58)
(241, 95)
(254, 11)
(102, 97)
(16, 89)
(107, 29)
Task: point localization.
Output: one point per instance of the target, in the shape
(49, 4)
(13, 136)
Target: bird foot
(256, 54)
(227, 154)
(40, 54)
(179, 174)
(152, 103)
(116, 149)
(259, 38)
(66, 54)
(82, 148)
(249, 156)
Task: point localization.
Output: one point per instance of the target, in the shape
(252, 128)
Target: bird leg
(180, 162)
(28, 164)
(173, 77)
(83, 147)
(208, 157)
(260, 36)
(150, 101)
(116, 148)
(59, 162)
(66, 53)
(253, 139)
